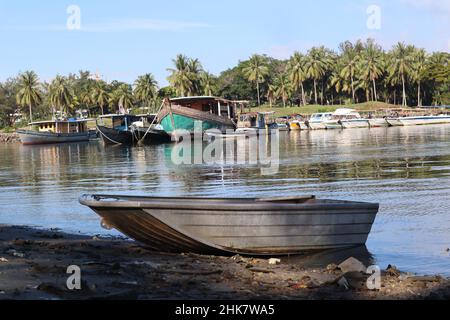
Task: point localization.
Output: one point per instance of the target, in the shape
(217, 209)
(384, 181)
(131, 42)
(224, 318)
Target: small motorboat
(249, 226)
(420, 120)
(378, 122)
(317, 121)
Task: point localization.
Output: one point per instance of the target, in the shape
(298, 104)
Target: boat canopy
(71, 120)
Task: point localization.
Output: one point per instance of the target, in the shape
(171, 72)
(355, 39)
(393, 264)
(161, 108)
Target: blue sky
(123, 39)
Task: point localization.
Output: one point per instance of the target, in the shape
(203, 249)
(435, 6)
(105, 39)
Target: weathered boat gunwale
(226, 205)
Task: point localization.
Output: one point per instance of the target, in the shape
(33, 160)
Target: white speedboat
(424, 120)
(346, 119)
(317, 120)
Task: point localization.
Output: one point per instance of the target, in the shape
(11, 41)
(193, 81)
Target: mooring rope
(153, 122)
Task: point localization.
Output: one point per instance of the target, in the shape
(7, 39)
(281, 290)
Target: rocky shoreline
(9, 138)
(33, 265)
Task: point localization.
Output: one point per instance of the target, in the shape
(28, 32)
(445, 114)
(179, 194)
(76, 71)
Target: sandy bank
(33, 265)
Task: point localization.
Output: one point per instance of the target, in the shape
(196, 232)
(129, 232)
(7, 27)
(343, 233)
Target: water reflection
(406, 170)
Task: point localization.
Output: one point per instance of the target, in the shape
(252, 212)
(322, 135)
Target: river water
(406, 170)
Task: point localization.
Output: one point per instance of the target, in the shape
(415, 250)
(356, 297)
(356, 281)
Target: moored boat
(125, 129)
(296, 123)
(346, 119)
(317, 120)
(258, 123)
(272, 226)
(213, 112)
(424, 120)
(55, 131)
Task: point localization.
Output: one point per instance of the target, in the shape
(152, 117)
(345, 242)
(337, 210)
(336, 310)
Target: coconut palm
(195, 73)
(122, 98)
(372, 64)
(271, 94)
(283, 88)
(145, 90)
(180, 77)
(29, 93)
(316, 65)
(298, 74)
(208, 83)
(400, 66)
(61, 94)
(350, 58)
(100, 95)
(256, 71)
(418, 70)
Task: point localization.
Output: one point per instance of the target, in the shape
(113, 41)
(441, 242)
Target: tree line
(358, 72)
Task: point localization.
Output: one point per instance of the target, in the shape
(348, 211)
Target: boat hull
(316, 125)
(333, 125)
(418, 121)
(130, 137)
(298, 125)
(28, 137)
(378, 123)
(355, 124)
(183, 118)
(230, 226)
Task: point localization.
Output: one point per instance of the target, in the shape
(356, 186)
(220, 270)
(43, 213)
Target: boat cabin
(61, 126)
(122, 122)
(214, 105)
(259, 120)
(347, 114)
(319, 117)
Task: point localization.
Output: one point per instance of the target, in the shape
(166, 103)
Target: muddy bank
(33, 265)
(9, 138)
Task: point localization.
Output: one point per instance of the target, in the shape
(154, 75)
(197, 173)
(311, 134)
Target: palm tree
(29, 93)
(256, 71)
(100, 95)
(123, 98)
(208, 83)
(297, 73)
(195, 72)
(283, 88)
(350, 58)
(372, 64)
(316, 66)
(61, 94)
(271, 94)
(418, 70)
(400, 66)
(180, 77)
(145, 89)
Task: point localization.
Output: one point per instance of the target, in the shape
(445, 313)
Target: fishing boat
(317, 121)
(213, 112)
(420, 120)
(249, 226)
(125, 129)
(55, 131)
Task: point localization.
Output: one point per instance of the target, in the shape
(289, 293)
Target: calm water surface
(406, 170)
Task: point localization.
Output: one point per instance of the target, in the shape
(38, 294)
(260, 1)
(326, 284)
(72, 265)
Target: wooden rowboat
(275, 226)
